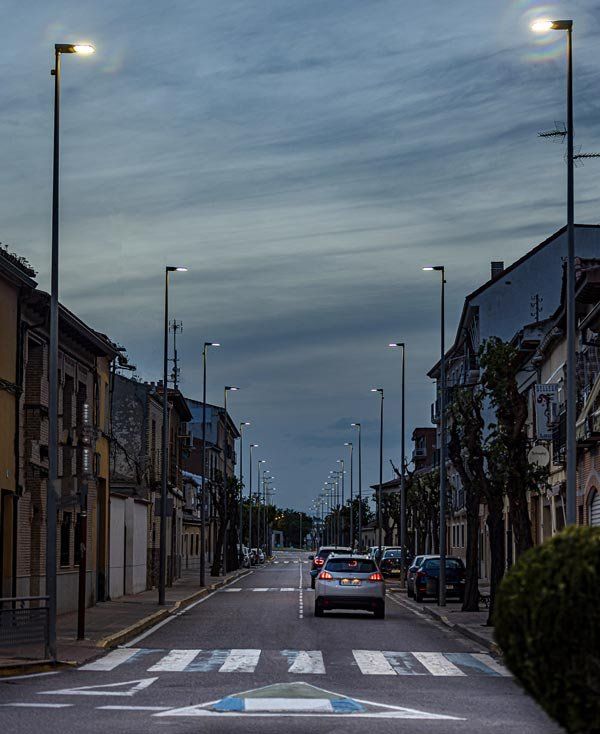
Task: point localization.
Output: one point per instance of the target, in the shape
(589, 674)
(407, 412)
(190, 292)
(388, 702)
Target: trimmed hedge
(547, 623)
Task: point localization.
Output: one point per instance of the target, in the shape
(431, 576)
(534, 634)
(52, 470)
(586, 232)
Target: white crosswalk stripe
(301, 662)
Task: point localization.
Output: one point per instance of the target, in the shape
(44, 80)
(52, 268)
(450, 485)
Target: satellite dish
(538, 455)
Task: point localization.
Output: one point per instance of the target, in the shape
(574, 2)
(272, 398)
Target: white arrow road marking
(305, 662)
(110, 661)
(176, 660)
(240, 661)
(106, 689)
(437, 664)
(373, 662)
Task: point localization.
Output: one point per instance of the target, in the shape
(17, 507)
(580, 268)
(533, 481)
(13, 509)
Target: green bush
(547, 620)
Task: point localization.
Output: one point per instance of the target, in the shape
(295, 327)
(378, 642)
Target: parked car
(427, 578)
(319, 559)
(391, 562)
(412, 572)
(350, 582)
(259, 555)
(245, 556)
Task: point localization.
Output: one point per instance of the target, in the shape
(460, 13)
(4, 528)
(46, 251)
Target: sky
(304, 160)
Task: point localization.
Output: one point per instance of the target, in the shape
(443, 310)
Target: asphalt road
(345, 672)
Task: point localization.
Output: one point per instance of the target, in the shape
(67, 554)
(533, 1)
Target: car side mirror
(311, 558)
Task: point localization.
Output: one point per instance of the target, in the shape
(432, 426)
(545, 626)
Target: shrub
(547, 620)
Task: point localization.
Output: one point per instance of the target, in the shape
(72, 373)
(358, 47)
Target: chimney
(497, 268)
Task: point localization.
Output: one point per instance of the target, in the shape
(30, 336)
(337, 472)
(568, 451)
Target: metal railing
(23, 621)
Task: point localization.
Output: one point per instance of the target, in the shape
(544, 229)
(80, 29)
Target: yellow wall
(8, 349)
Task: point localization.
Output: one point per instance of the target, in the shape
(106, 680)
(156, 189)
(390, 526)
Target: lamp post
(252, 446)
(52, 482)
(162, 567)
(442, 579)
(341, 511)
(204, 482)
(243, 425)
(258, 496)
(379, 493)
(401, 345)
(351, 447)
(544, 26)
(226, 389)
(358, 426)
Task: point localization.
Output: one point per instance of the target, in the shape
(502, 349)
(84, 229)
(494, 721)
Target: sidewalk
(470, 624)
(112, 623)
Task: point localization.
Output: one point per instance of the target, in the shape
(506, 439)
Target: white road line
(260, 589)
(39, 705)
(232, 590)
(491, 663)
(30, 675)
(373, 662)
(300, 595)
(437, 664)
(240, 661)
(160, 624)
(306, 662)
(110, 661)
(176, 660)
(287, 588)
(133, 708)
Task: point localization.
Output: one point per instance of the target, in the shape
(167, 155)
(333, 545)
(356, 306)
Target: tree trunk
(471, 600)
(521, 523)
(495, 524)
(216, 565)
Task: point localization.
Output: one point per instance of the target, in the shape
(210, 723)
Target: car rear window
(392, 554)
(434, 563)
(351, 565)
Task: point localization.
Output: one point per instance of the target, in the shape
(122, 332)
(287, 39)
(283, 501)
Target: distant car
(391, 562)
(412, 572)
(319, 559)
(244, 554)
(350, 582)
(427, 578)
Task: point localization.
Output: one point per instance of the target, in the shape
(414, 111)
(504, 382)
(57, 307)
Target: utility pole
(86, 440)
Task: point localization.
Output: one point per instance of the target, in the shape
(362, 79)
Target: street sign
(538, 455)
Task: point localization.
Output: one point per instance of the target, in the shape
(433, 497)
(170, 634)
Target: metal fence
(23, 621)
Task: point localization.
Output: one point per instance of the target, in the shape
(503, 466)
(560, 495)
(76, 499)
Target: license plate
(350, 582)
(395, 570)
(451, 586)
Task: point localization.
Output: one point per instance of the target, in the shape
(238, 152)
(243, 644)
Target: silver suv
(350, 582)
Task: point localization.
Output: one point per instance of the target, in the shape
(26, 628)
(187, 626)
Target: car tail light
(319, 561)
(325, 576)
(376, 577)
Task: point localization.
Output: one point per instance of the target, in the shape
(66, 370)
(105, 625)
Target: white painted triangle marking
(106, 689)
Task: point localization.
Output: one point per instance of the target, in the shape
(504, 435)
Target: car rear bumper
(367, 603)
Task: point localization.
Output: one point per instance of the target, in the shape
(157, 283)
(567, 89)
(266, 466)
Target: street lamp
(52, 482)
(351, 447)
(258, 495)
(243, 425)
(204, 483)
(341, 510)
(252, 446)
(358, 426)
(442, 579)
(379, 493)
(226, 389)
(544, 26)
(401, 345)
(162, 565)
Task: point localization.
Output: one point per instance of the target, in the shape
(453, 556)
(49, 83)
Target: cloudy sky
(304, 158)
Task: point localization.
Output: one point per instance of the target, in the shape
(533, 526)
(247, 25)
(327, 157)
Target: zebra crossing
(301, 662)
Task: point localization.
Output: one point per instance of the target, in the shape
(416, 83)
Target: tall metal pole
(204, 482)
(164, 463)
(52, 488)
(442, 577)
(358, 425)
(380, 488)
(403, 469)
(571, 315)
(250, 500)
(243, 424)
(351, 446)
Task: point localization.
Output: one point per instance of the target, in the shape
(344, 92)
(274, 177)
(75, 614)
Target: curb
(118, 638)
(463, 630)
(35, 666)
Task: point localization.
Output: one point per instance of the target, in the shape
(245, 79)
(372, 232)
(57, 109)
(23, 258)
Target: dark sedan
(391, 563)
(427, 578)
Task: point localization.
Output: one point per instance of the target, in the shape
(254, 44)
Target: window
(78, 540)
(65, 539)
(434, 563)
(462, 536)
(351, 565)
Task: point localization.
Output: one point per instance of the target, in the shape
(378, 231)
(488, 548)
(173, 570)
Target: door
(595, 510)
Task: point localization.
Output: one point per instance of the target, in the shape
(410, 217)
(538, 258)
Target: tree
(507, 442)
(224, 494)
(423, 507)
